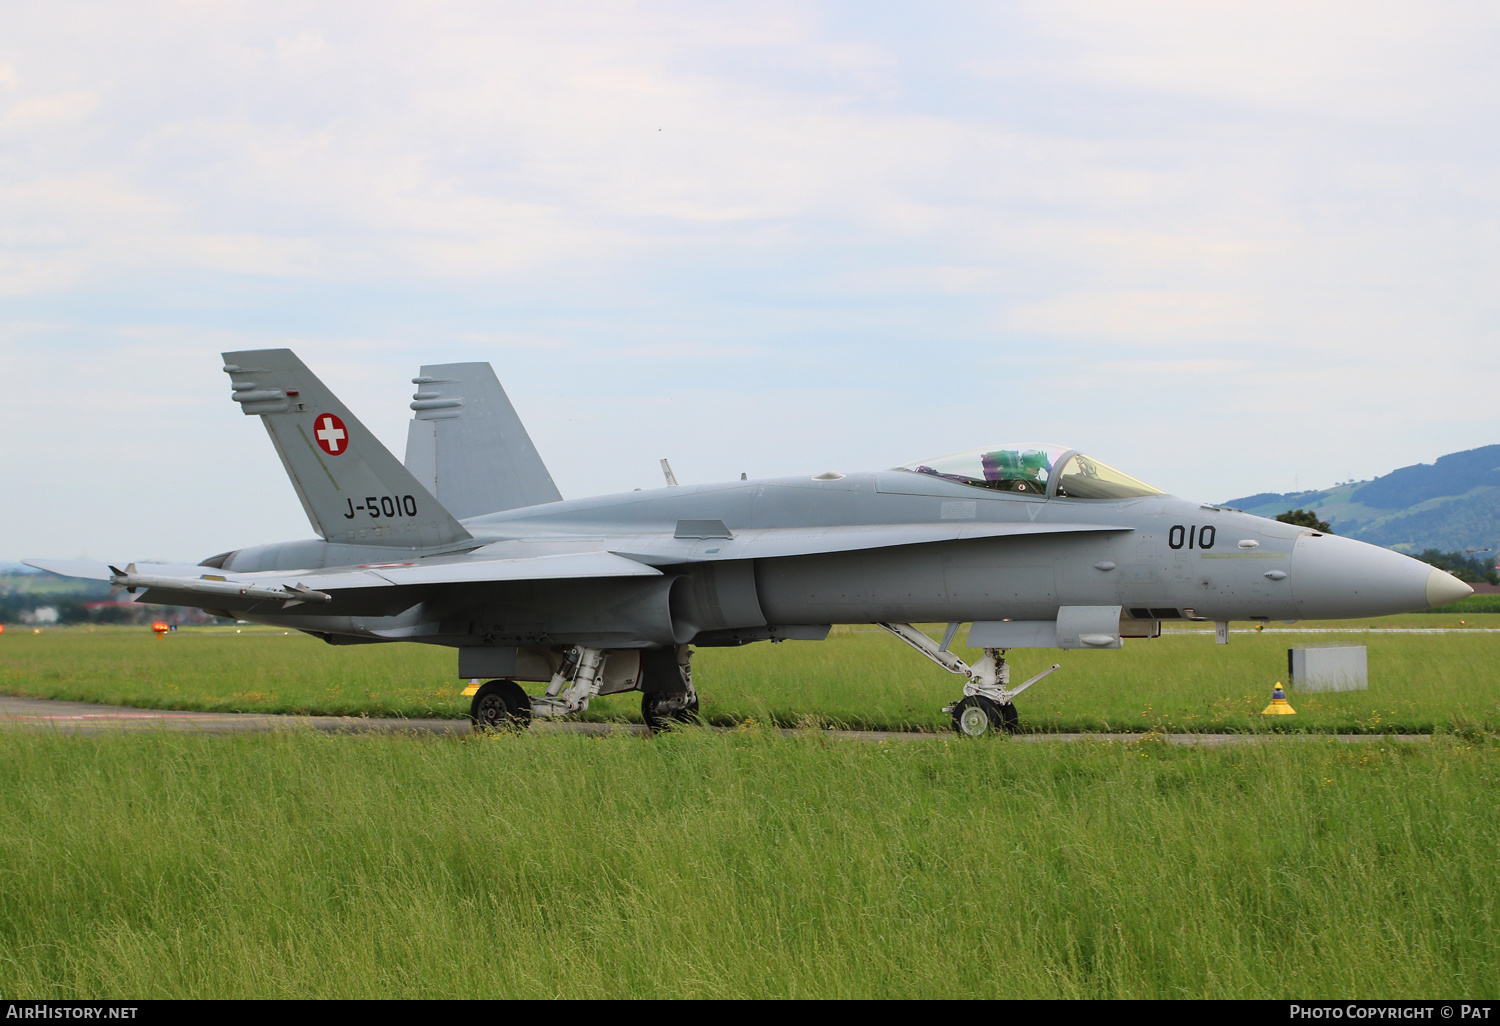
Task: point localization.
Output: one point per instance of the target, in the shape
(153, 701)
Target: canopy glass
(1009, 468)
(1034, 470)
(1083, 477)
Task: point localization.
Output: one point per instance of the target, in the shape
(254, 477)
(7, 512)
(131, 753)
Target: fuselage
(1158, 557)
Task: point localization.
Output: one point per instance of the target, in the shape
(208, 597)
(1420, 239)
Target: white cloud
(1374, 61)
(1143, 318)
(1200, 223)
(44, 112)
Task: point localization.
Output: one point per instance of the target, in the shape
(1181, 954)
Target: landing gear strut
(661, 709)
(575, 683)
(665, 675)
(988, 702)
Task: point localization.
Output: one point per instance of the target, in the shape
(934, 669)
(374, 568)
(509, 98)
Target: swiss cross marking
(330, 433)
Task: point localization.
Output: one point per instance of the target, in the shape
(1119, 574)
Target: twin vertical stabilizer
(353, 489)
(467, 444)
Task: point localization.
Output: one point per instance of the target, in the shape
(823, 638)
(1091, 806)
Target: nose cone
(1337, 578)
(1443, 587)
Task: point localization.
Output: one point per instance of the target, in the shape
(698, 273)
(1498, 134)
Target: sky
(1226, 247)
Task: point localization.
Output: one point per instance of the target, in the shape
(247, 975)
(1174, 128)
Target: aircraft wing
(533, 568)
(766, 543)
(635, 556)
(197, 585)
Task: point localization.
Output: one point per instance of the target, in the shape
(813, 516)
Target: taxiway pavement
(89, 719)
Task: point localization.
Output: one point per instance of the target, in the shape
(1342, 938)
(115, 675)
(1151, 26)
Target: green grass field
(860, 677)
(1486, 603)
(748, 864)
(744, 864)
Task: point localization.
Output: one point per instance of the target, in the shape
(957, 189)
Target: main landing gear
(667, 694)
(660, 711)
(500, 705)
(665, 678)
(987, 706)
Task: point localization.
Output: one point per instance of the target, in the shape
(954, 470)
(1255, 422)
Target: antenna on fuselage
(666, 469)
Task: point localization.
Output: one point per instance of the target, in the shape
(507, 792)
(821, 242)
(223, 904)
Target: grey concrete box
(1328, 669)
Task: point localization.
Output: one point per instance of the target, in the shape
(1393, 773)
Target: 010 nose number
(1192, 536)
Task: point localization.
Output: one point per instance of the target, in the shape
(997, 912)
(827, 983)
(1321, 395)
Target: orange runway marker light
(161, 627)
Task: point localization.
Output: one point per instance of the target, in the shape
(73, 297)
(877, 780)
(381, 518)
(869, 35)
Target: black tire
(661, 709)
(977, 716)
(1010, 720)
(500, 705)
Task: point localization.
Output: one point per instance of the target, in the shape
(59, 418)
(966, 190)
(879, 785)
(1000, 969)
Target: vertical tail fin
(353, 489)
(468, 445)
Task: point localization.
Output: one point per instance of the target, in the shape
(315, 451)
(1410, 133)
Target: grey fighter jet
(469, 545)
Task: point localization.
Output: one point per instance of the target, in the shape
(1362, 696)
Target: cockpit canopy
(1038, 469)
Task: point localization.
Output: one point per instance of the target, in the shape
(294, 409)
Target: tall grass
(859, 677)
(743, 865)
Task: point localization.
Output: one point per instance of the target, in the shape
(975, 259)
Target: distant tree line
(1465, 568)
(20, 607)
(70, 609)
(1304, 518)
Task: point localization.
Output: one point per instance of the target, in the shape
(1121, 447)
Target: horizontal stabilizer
(72, 568)
(105, 572)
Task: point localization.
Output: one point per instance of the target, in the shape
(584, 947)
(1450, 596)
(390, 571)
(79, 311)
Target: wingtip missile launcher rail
(209, 584)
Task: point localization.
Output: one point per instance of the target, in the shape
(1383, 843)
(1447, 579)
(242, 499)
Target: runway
(102, 720)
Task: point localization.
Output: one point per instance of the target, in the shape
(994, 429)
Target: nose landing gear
(988, 703)
(976, 716)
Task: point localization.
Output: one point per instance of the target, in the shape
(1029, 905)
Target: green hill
(1451, 504)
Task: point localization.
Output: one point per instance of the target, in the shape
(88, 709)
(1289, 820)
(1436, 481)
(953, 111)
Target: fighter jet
(469, 545)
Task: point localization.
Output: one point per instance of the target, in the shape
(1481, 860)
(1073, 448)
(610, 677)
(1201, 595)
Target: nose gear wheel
(978, 716)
